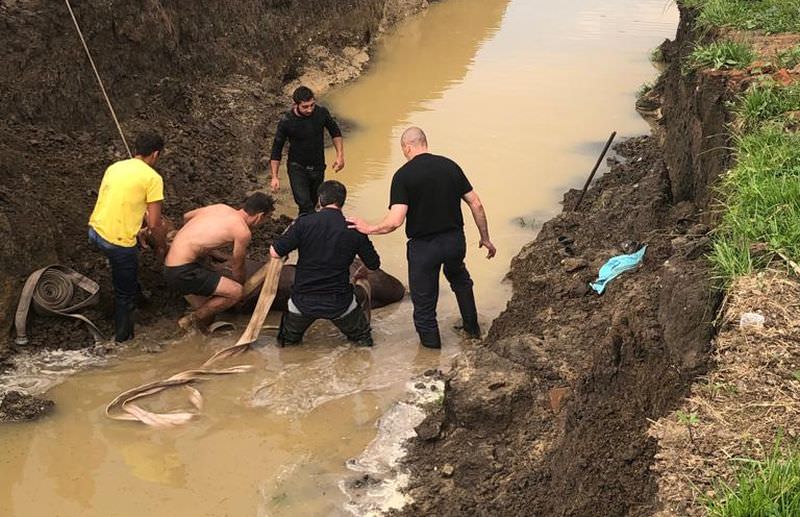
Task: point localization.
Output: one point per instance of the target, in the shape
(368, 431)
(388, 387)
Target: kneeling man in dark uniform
(322, 287)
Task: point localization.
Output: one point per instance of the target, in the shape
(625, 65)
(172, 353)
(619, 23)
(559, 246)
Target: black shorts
(192, 278)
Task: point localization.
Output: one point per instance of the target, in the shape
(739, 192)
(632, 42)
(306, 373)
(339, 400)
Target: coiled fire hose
(51, 291)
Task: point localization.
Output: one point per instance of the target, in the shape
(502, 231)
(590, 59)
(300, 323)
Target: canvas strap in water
(123, 408)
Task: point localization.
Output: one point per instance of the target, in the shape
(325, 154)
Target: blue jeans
(124, 264)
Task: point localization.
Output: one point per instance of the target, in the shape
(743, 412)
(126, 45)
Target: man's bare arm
(479, 215)
(393, 220)
(275, 183)
(157, 229)
(338, 144)
(240, 243)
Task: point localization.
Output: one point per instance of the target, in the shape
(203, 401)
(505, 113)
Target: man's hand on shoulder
(491, 250)
(356, 223)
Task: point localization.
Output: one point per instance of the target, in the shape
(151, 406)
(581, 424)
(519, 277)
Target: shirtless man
(204, 230)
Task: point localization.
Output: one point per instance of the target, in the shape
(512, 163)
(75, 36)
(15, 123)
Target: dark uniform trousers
(426, 257)
(354, 325)
(305, 181)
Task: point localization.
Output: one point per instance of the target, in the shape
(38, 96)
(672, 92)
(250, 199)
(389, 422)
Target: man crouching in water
(204, 230)
(322, 288)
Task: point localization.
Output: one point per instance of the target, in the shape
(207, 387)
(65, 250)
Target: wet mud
(550, 415)
(215, 97)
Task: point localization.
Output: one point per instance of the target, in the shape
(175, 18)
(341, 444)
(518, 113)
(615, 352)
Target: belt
(309, 168)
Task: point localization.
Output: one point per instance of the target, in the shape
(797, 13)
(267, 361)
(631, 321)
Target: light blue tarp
(615, 267)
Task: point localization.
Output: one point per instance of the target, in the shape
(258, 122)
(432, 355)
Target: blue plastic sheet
(615, 267)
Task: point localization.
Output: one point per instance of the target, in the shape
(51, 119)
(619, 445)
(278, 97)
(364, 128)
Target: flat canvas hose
(51, 291)
(123, 408)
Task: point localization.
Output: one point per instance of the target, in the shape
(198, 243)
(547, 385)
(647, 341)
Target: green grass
(765, 101)
(761, 197)
(768, 488)
(657, 55)
(721, 55)
(788, 58)
(771, 16)
(644, 89)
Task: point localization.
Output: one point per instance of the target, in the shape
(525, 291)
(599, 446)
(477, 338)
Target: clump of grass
(644, 89)
(764, 101)
(761, 196)
(771, 16)
(657, 55)
(789, 58)
(767, 488)
(721, 55)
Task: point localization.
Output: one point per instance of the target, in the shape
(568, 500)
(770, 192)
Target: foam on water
(380, 487)
(33, 373)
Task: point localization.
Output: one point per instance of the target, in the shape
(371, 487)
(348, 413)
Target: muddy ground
(174, 67)
(549, 416)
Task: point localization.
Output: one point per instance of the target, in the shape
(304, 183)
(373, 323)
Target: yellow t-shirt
(127, 187)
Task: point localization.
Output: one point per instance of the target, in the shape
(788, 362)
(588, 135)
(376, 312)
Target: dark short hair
(332, 192)
(302, 94)
(148, 143)
(259, 202)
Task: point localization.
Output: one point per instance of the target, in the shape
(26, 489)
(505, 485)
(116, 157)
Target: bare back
(207, 228)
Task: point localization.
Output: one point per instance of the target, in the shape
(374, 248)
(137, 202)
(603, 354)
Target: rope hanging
(99, 81)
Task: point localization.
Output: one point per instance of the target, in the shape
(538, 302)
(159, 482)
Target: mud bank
(214, 92)
(212, 78)
(550, 415)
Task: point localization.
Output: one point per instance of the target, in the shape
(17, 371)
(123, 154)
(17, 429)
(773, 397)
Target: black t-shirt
(305, 135)
(327, 247)
(432, 186)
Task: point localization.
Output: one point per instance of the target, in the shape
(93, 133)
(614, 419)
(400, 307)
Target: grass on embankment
(761, 194)
(768, 488)
(771, 16)
(721, 55)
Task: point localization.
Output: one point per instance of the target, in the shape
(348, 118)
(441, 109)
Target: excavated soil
(176, 68)
(548, 417)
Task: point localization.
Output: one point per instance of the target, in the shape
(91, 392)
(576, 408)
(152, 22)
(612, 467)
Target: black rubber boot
(430, 339)
(356, 327)
(469, 313)
(292, 328)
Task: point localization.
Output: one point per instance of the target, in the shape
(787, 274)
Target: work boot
(364, 342)
(430, 339)
(355, 326)
(469, 314)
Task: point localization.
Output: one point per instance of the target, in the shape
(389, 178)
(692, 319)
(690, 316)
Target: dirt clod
(18, 407)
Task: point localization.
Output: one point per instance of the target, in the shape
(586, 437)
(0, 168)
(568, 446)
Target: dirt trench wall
(548, 416)
(208, 75)
(696, 140)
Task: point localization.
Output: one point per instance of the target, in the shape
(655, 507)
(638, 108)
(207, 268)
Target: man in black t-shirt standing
(427, 191)
(322, 287)
(303, 127)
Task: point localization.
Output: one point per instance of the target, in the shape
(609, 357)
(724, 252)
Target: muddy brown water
(522, 96)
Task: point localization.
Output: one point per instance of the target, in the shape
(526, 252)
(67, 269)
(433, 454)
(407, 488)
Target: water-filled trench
(522, 94)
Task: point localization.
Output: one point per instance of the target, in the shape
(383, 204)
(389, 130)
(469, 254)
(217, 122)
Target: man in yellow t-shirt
(130, 191)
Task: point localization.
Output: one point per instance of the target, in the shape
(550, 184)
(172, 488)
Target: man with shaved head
(426, 193)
